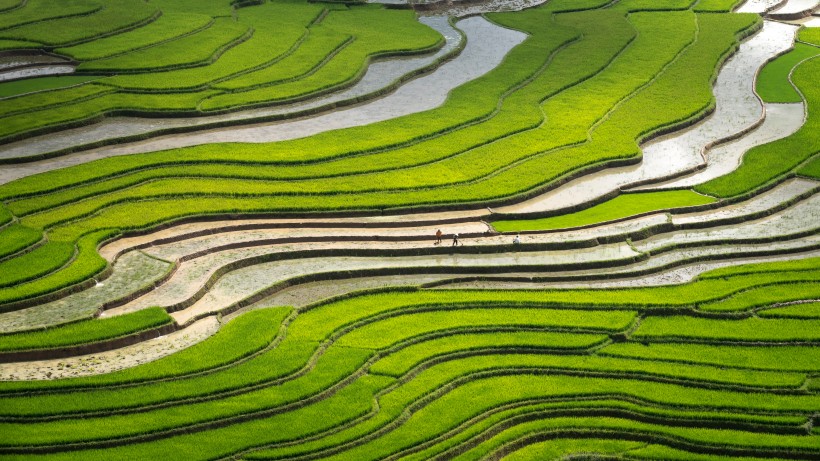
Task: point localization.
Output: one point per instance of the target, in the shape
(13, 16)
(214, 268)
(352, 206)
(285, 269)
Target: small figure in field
(438, 237)
(517, 239)
(455, 240)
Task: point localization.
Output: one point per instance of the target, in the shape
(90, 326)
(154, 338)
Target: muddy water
(737, 109)
(472, 7)
(758, 6)
(194, 274)
(802, 217)
(109, 361)
(785, 192)
(812, 21)
(794, 7)
(22, 60)
(676, 275)
(486, 46)
(241, 283)
(32, 64)
(782, 120)
(461, 8)
(35, 71)
(237, 285)
(132, 271)
(379, 74)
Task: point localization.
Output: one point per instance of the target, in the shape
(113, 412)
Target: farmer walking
(438, 237)
(455, 240)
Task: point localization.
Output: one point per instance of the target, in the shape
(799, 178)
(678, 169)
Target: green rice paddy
(722, 365)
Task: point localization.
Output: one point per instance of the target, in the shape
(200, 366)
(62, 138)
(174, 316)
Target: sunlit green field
(725, 366)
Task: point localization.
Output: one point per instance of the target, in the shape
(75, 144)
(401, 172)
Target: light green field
(724, 365)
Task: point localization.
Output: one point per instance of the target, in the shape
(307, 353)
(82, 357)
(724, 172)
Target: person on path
(517, 239)
(455, 240)
(438, 237)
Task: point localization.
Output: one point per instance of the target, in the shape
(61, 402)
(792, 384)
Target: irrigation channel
(601, 329)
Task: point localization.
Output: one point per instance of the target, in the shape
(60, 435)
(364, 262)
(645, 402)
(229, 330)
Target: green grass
(556, 449)
(461, 169)
(387, 332)
(40, 261)
(809, 35)
(196, 49)
(5, 215)
(620, 207)
(802, 311)
(717, 6)
(399, 363)
(803, 264)
(40, 10)
(87, 331)
(769, 161)
(750, 329)
(73, 95)
(272, 39)
(32, 85)
(240, 338)
(310, 73)
(373, 375)
(180, 55)
(6, 5)
(15, 238)
(811, 169)
(167, 27)
(87, 263)
(318, 45)
(783, 358)
(773, 82)
(765, 295)
(114, 16)
(321, 323)
(449, 382)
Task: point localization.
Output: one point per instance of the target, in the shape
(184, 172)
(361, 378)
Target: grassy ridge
(800, 311)
(159, 189)
(763, 163)
(15, 238)
(620, 207)
(18, 87)
(35, 263)
(273, 40)
(691, 371)
(112, 17)
(310, 73)
(196, 49)
(161, 55)
(559, 368)
(88, 331)
(41, 10)
(240, 338)
(463, 169)
(167, 27)
(773, 82)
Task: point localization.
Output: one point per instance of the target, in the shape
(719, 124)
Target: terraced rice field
(218, 230)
